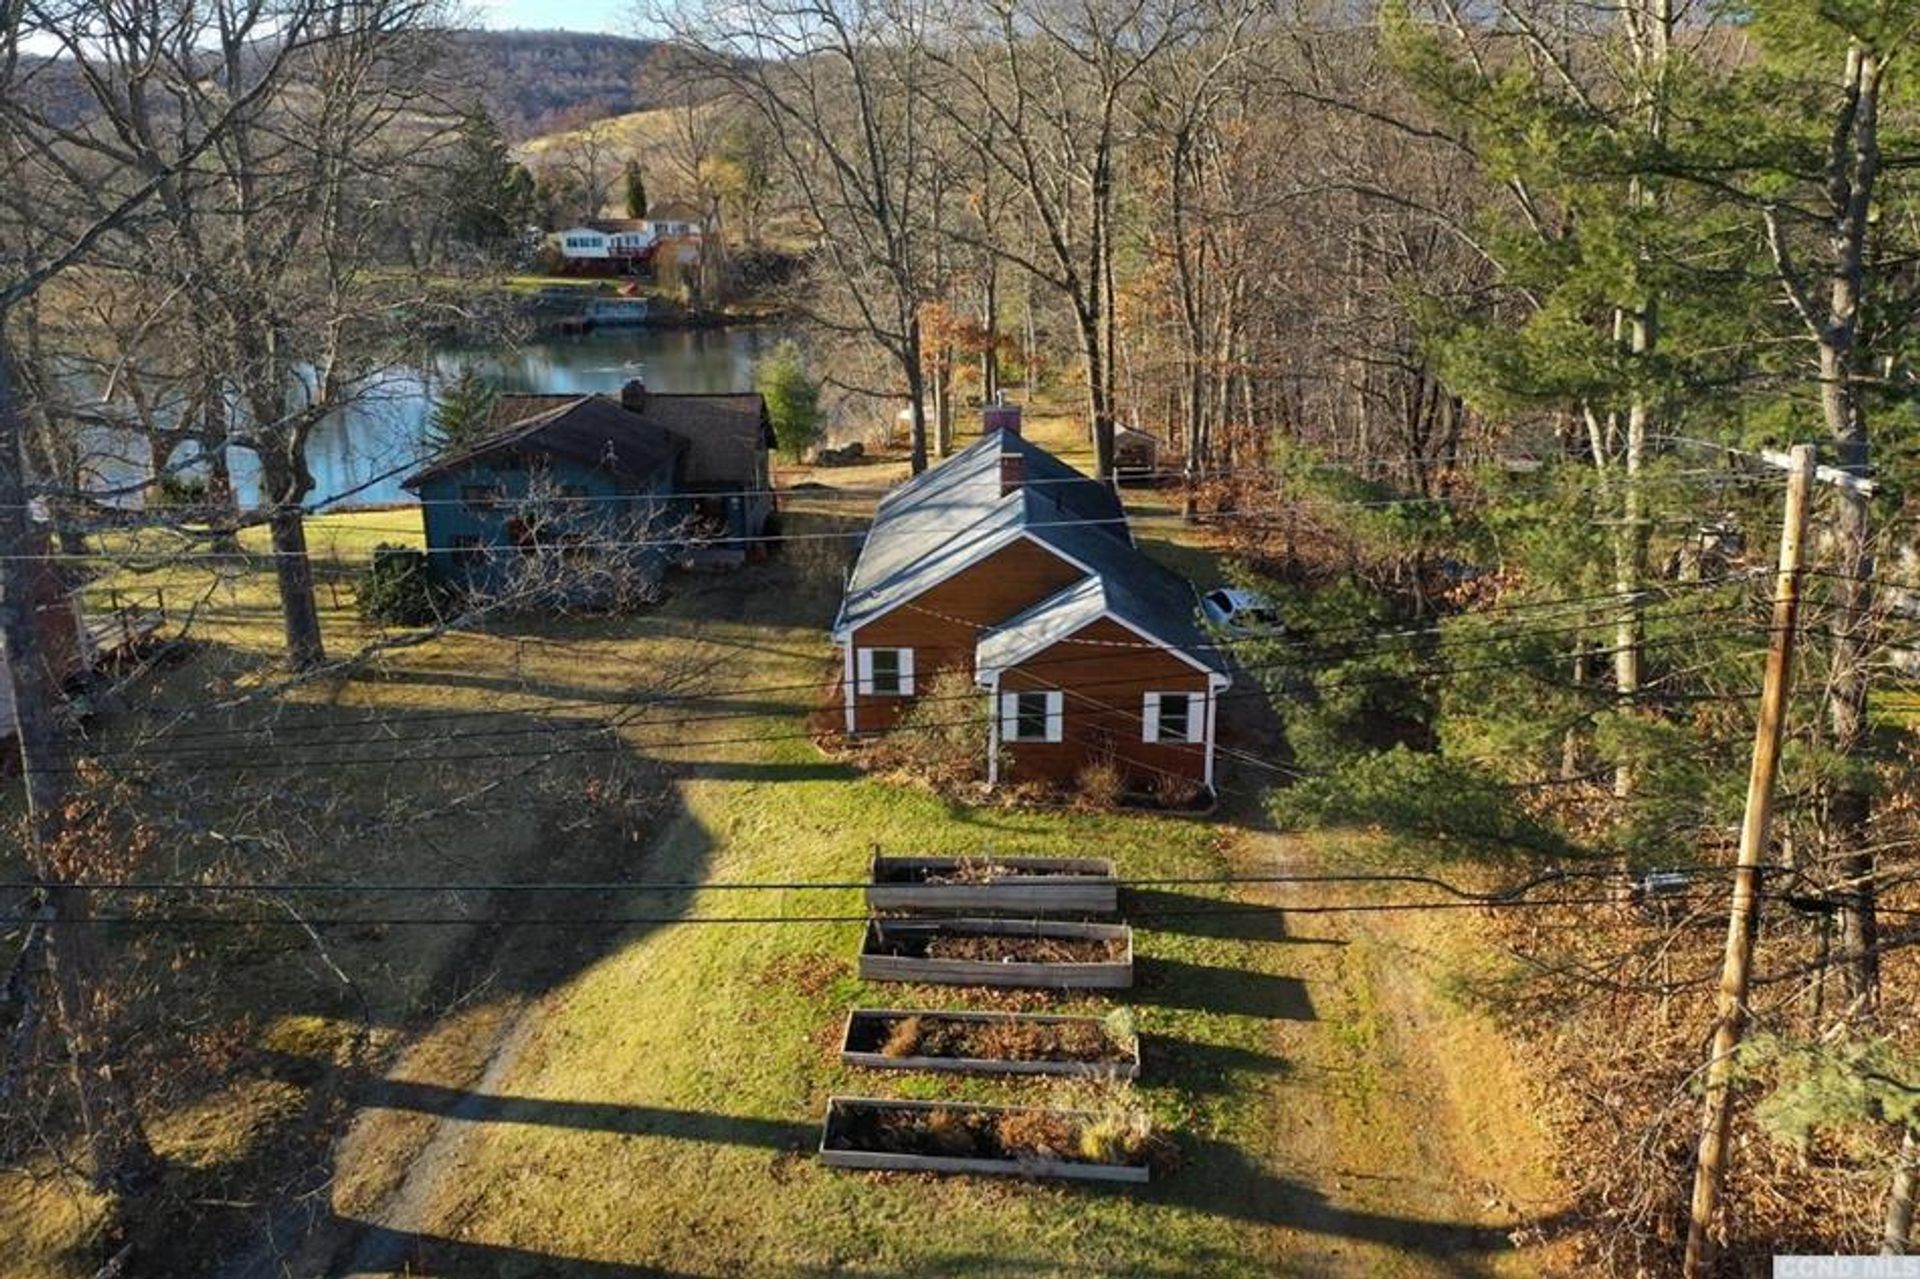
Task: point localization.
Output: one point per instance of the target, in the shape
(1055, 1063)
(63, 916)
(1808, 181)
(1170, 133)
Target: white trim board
(1215, 679)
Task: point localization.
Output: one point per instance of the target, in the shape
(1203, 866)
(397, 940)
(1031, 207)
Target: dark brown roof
(589, 429)
(725, 432)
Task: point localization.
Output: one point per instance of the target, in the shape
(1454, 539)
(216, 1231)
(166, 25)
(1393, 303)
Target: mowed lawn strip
(678, 1085)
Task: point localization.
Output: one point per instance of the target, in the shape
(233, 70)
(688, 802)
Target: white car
(1247, 612)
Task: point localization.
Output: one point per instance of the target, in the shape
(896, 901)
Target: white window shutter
(1150, 719)
(906, 672)
(863, 662)
(1009, 717)
(1056, 715)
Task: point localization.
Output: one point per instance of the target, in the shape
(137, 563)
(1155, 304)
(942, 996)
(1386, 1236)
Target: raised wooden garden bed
(1018, 1141)
(999, 952)
(995, 885)
(988, 1043)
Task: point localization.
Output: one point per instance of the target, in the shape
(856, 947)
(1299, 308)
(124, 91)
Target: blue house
(595, 494)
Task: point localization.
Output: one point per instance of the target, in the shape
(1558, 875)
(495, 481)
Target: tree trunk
(1099, 408)
(1630, 560)
(161, 446)
(990, 328)
(292, 566)
(293, 569)
(1855, 164)
(223, 507)
(123, 1162)
(916, 394)
(1896, 1234)
(943, 401)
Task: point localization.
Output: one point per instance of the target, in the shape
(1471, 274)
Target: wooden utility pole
(1743, 916)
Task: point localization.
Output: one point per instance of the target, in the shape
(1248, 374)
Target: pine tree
(490, 196)
(793, 398)
(462, 411)
(636, 190)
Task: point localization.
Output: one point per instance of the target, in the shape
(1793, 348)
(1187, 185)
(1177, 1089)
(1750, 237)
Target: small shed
(1136, 454)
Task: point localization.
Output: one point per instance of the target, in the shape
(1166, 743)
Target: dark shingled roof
(725, 432)
(955, 512)
(586, 429)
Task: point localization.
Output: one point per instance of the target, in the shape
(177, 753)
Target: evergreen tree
(462, 410)
(636, 190)
(490, 195)
(793, 398)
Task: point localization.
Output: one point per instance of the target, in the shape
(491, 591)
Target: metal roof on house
(1126, 584)
(955, 514)
(952, 514)
(1046, 623)
(588, 429)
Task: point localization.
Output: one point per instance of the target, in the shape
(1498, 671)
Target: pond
(363, 453)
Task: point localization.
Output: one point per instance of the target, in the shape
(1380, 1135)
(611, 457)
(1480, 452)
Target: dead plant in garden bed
(1026, 950)
(983, 870)
(935, 1036)
(1126, 1135)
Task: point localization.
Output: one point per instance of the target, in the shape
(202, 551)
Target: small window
(1171, 718)
(1032, 717)
(886, 672)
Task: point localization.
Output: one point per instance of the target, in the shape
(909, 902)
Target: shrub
(793, 399)
(1448, 805)
(1117, 1136)
(1177, 792)
(941, 738)
(175, 489)
(1100, 783)
(1121, 1027)
(398, 588)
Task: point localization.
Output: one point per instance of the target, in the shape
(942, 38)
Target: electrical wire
(282, 760)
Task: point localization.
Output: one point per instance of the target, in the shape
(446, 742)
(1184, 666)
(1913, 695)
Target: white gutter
(993, 731)
(848, 684)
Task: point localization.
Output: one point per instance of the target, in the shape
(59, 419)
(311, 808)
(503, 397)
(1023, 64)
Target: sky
(616, 17)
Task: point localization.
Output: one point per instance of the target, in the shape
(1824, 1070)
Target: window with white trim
(1032, 717)
(885, 672)
(1173, 718)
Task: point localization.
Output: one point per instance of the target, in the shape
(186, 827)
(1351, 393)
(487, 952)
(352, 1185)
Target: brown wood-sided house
(1008, 564)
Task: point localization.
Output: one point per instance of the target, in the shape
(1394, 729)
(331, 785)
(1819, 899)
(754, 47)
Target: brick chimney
(1013, 471)
(1000, 417)
(633, 396)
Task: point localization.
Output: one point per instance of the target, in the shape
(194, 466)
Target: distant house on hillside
(1007, 564)
(618, 243)
(638, 477)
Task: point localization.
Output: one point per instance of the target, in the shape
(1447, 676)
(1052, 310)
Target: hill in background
(532, 81)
